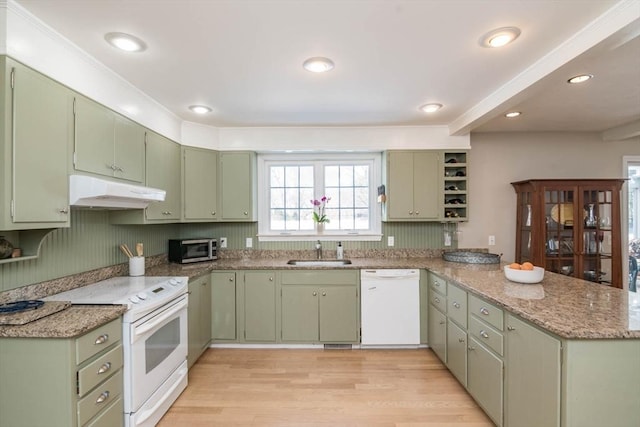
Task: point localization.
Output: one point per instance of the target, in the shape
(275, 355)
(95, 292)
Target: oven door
(158, 345)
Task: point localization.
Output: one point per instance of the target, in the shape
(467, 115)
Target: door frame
(626, 161)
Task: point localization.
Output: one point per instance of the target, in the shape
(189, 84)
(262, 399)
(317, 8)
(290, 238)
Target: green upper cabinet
(237, 186)
(200, 184)
(412, 186)
(107, 143)
(37, 119)
(164, 172)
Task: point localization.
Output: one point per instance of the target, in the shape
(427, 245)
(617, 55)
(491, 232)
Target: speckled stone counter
(71, 322)
(570, 308)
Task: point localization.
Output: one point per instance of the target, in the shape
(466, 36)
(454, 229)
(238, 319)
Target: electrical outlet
(249, 243)
(391, 241)
(492, 240)
(447, 238)
(223, 242)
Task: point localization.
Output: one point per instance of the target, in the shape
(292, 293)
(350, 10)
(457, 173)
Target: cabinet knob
(410, 212)
(460, 339)
(104, 368)
(510, 328)
(442, 322)
(103, 396)
(456, 304)
(484, 311)
(271, 279)
(471, 348)
(315, 293)
(246, 213)
(417, 212)
(213, 213)
(64, 211)
(231, 279)
(102, 339)
(324, 294)
(437, 300)
(483, 334)
(166, 213)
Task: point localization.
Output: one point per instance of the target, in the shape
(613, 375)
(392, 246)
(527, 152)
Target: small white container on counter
(136, 266)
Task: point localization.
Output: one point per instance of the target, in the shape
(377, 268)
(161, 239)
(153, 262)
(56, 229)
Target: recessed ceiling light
(125, 42)
(580, 79)
(500, 37)
(200, 109)
(513, 114)
(430, 108)
(318, 64)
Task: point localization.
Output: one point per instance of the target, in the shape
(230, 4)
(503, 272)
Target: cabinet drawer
(99, 370)
(457, 305)
(486, 335)
(487, 312)
(111, 416)
(439, 301)
(97, 340)
(100, 398)
(438, 284)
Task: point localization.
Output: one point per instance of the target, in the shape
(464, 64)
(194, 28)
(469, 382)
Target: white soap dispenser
(339, 251)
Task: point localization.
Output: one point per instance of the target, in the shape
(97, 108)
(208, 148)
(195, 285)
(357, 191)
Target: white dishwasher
(390, 307)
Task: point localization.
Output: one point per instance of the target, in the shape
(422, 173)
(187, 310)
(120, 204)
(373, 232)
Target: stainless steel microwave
(184, 251)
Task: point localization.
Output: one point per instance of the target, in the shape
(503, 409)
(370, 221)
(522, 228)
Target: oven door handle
(144, 416)
(146, 327)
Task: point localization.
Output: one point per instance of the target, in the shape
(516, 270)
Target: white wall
(497, 159)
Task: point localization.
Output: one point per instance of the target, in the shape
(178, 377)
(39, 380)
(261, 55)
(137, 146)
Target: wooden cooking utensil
(139, 249)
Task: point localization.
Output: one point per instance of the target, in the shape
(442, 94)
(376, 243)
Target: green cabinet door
(260, 306)
(199, 317)
(237, 186)
(400, 185)
(424, 307)
(223, 306)
(338, 314)
(42, 130)
(163, 158)
(532, 376)
(94, 133)
(457, 351)
(485, 379)
(128, 150)
(300, 320)
(438, 333)
(200, 191)
(426, 185)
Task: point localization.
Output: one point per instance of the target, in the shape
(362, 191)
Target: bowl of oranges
(523, 273)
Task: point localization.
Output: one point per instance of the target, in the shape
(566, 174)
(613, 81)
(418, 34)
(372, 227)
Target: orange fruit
(515, 266)
(526, 266)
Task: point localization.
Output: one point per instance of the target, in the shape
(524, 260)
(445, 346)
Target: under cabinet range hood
(94, 192)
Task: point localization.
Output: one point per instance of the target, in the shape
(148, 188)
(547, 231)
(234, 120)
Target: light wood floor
(285, 387)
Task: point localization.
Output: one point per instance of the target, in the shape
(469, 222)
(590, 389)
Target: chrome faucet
(319, 250)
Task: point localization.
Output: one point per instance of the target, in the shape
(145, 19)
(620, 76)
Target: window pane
(361, 197)
(362, 219)
(306, 196)
(346, 197)
(306, 176)
(331, 176)
(292, 200)
(291, 176)
(361, 176)
(346, 176)
(277, 176)
(346, 219)
(277, 198)
(277, 219)
(306, 219)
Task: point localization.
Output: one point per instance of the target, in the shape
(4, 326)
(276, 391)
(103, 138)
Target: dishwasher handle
(388, 274)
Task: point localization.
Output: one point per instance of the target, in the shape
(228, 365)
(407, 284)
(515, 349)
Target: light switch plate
(391, 241)
(249, 243)
(492, 240)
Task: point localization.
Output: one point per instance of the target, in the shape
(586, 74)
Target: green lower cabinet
(485, 379)
(438, 333)
(424, 307)
(223, 306)
(532, 376)
(260, 306)
(199, 317)
(320, 306)
(457, 351)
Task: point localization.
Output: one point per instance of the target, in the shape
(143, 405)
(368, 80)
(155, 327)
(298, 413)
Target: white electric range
(154, 339)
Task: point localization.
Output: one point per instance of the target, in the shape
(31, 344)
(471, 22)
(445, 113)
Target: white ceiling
(244, 59)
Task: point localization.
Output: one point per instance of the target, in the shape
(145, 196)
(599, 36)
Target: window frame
(319, 160)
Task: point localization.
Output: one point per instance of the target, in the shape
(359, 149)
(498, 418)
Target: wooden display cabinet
(571, 227)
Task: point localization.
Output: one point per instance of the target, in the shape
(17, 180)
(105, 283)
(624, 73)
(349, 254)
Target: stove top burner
(19, 306)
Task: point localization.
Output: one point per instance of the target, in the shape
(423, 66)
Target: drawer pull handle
(437, 300)
(483, 334)
(510, 328)
(471, 348)
(103, 396)
(437, 283)
(104, 368)
(102, 339)
(442, 322)
(460, 339)
(456, 304)
(484, 311)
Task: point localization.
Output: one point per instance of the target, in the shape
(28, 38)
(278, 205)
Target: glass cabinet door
(560, 226)
(526, 224)
(597, 236)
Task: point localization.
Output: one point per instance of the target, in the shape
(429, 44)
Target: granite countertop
(69, 323)
(570, 308)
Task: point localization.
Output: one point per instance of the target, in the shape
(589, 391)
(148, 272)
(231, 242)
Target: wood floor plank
(309, 388)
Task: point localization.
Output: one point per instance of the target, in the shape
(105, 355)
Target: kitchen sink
(319, 262)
